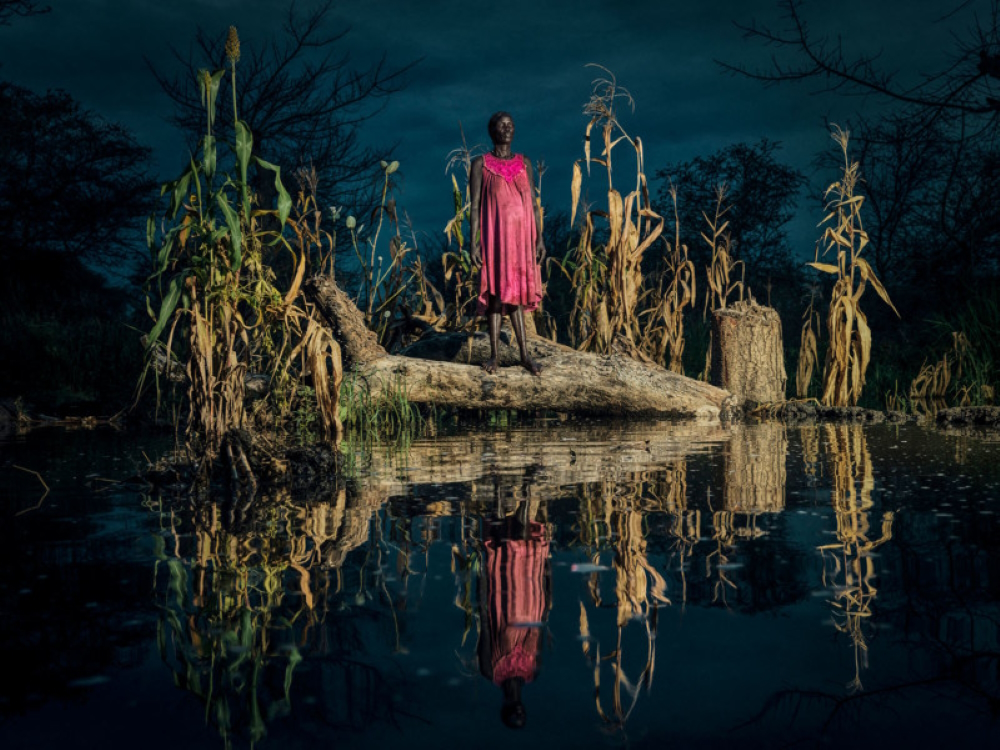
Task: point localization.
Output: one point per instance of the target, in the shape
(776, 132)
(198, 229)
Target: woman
(506, 238)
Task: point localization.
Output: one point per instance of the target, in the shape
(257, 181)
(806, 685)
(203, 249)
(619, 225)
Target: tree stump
(747, 355)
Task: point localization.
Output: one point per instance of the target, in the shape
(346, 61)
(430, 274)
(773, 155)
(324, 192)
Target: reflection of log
(548, 459)
(747, 358)
(572, 381)
(755, 468)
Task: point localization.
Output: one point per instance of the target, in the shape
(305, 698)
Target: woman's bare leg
(517, 320)
(493, 320)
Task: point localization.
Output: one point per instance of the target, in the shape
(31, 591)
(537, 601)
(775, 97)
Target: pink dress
(508, 236)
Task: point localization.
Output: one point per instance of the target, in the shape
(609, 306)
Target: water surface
(611, 585)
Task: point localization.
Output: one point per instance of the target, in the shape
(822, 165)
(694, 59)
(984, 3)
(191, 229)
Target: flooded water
(558, 585)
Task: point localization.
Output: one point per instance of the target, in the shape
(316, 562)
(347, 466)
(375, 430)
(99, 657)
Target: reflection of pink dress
(508, 236)
(516, 606)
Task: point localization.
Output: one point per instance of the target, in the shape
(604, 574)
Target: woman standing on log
(506, 239)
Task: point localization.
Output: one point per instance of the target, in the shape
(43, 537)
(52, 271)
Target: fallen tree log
(571, 381)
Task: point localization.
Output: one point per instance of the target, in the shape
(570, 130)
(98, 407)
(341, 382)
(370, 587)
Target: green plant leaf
(235, 235)
(208, 157)
(179, 190)
(167, 308)
(284, 199)
(211, 93)
(244, 148)
(151, 234)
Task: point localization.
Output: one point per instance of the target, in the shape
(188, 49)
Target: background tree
(929, 160)
(304, 102)
(761, 195)
(73, 195)
(72, 182)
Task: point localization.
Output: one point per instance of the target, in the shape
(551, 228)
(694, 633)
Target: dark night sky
(526, 56)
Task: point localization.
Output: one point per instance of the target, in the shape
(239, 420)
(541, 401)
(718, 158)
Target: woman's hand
(476, 254)
(540, 251)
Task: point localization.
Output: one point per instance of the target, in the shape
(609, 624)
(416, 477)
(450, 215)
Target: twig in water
(37, 505)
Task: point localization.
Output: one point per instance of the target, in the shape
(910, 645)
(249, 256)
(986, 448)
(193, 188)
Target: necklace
(505, 158)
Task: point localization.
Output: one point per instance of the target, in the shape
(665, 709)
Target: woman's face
(503, 131)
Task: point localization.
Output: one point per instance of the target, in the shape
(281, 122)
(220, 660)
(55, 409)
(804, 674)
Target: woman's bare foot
(491, 365)
(531, 366)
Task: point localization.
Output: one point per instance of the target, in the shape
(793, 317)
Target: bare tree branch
(22, 8)
(303, 100)
(965, 86)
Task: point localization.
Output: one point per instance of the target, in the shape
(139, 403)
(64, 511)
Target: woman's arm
(475, 198)
(537, 207)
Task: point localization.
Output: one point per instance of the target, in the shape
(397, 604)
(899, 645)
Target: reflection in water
(317, 619)
(849, 568)
(612, 516)
(515, 595)
(753, 484)
(244, 593)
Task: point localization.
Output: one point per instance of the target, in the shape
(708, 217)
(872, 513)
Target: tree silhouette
(72, 182)
(761, 195)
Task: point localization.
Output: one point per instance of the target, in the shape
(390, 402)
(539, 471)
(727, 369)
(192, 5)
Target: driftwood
(571, 381)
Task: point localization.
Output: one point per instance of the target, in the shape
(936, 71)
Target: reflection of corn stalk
(231, 629)
(848, 564)
(724, 536)
(639, 590)
(809, 435)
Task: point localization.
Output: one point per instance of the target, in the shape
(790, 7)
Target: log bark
(747, 355)
(571, 381)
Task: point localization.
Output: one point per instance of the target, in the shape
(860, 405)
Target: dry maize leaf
(297, 281)
(584, 629)
(868, 273)
(865, 338)
(612, 144)
(836, 236)
(825, 267)
(614, 216)
(575, 190)
(603, 326)
(651, 237)
(586, 143)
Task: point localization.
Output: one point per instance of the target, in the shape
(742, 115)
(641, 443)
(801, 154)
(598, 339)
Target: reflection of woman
(506, 238)
(514, 600)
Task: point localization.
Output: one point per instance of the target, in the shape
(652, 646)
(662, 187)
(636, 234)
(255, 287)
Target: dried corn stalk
(607, 278)
(808, 352)
(850, 338)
